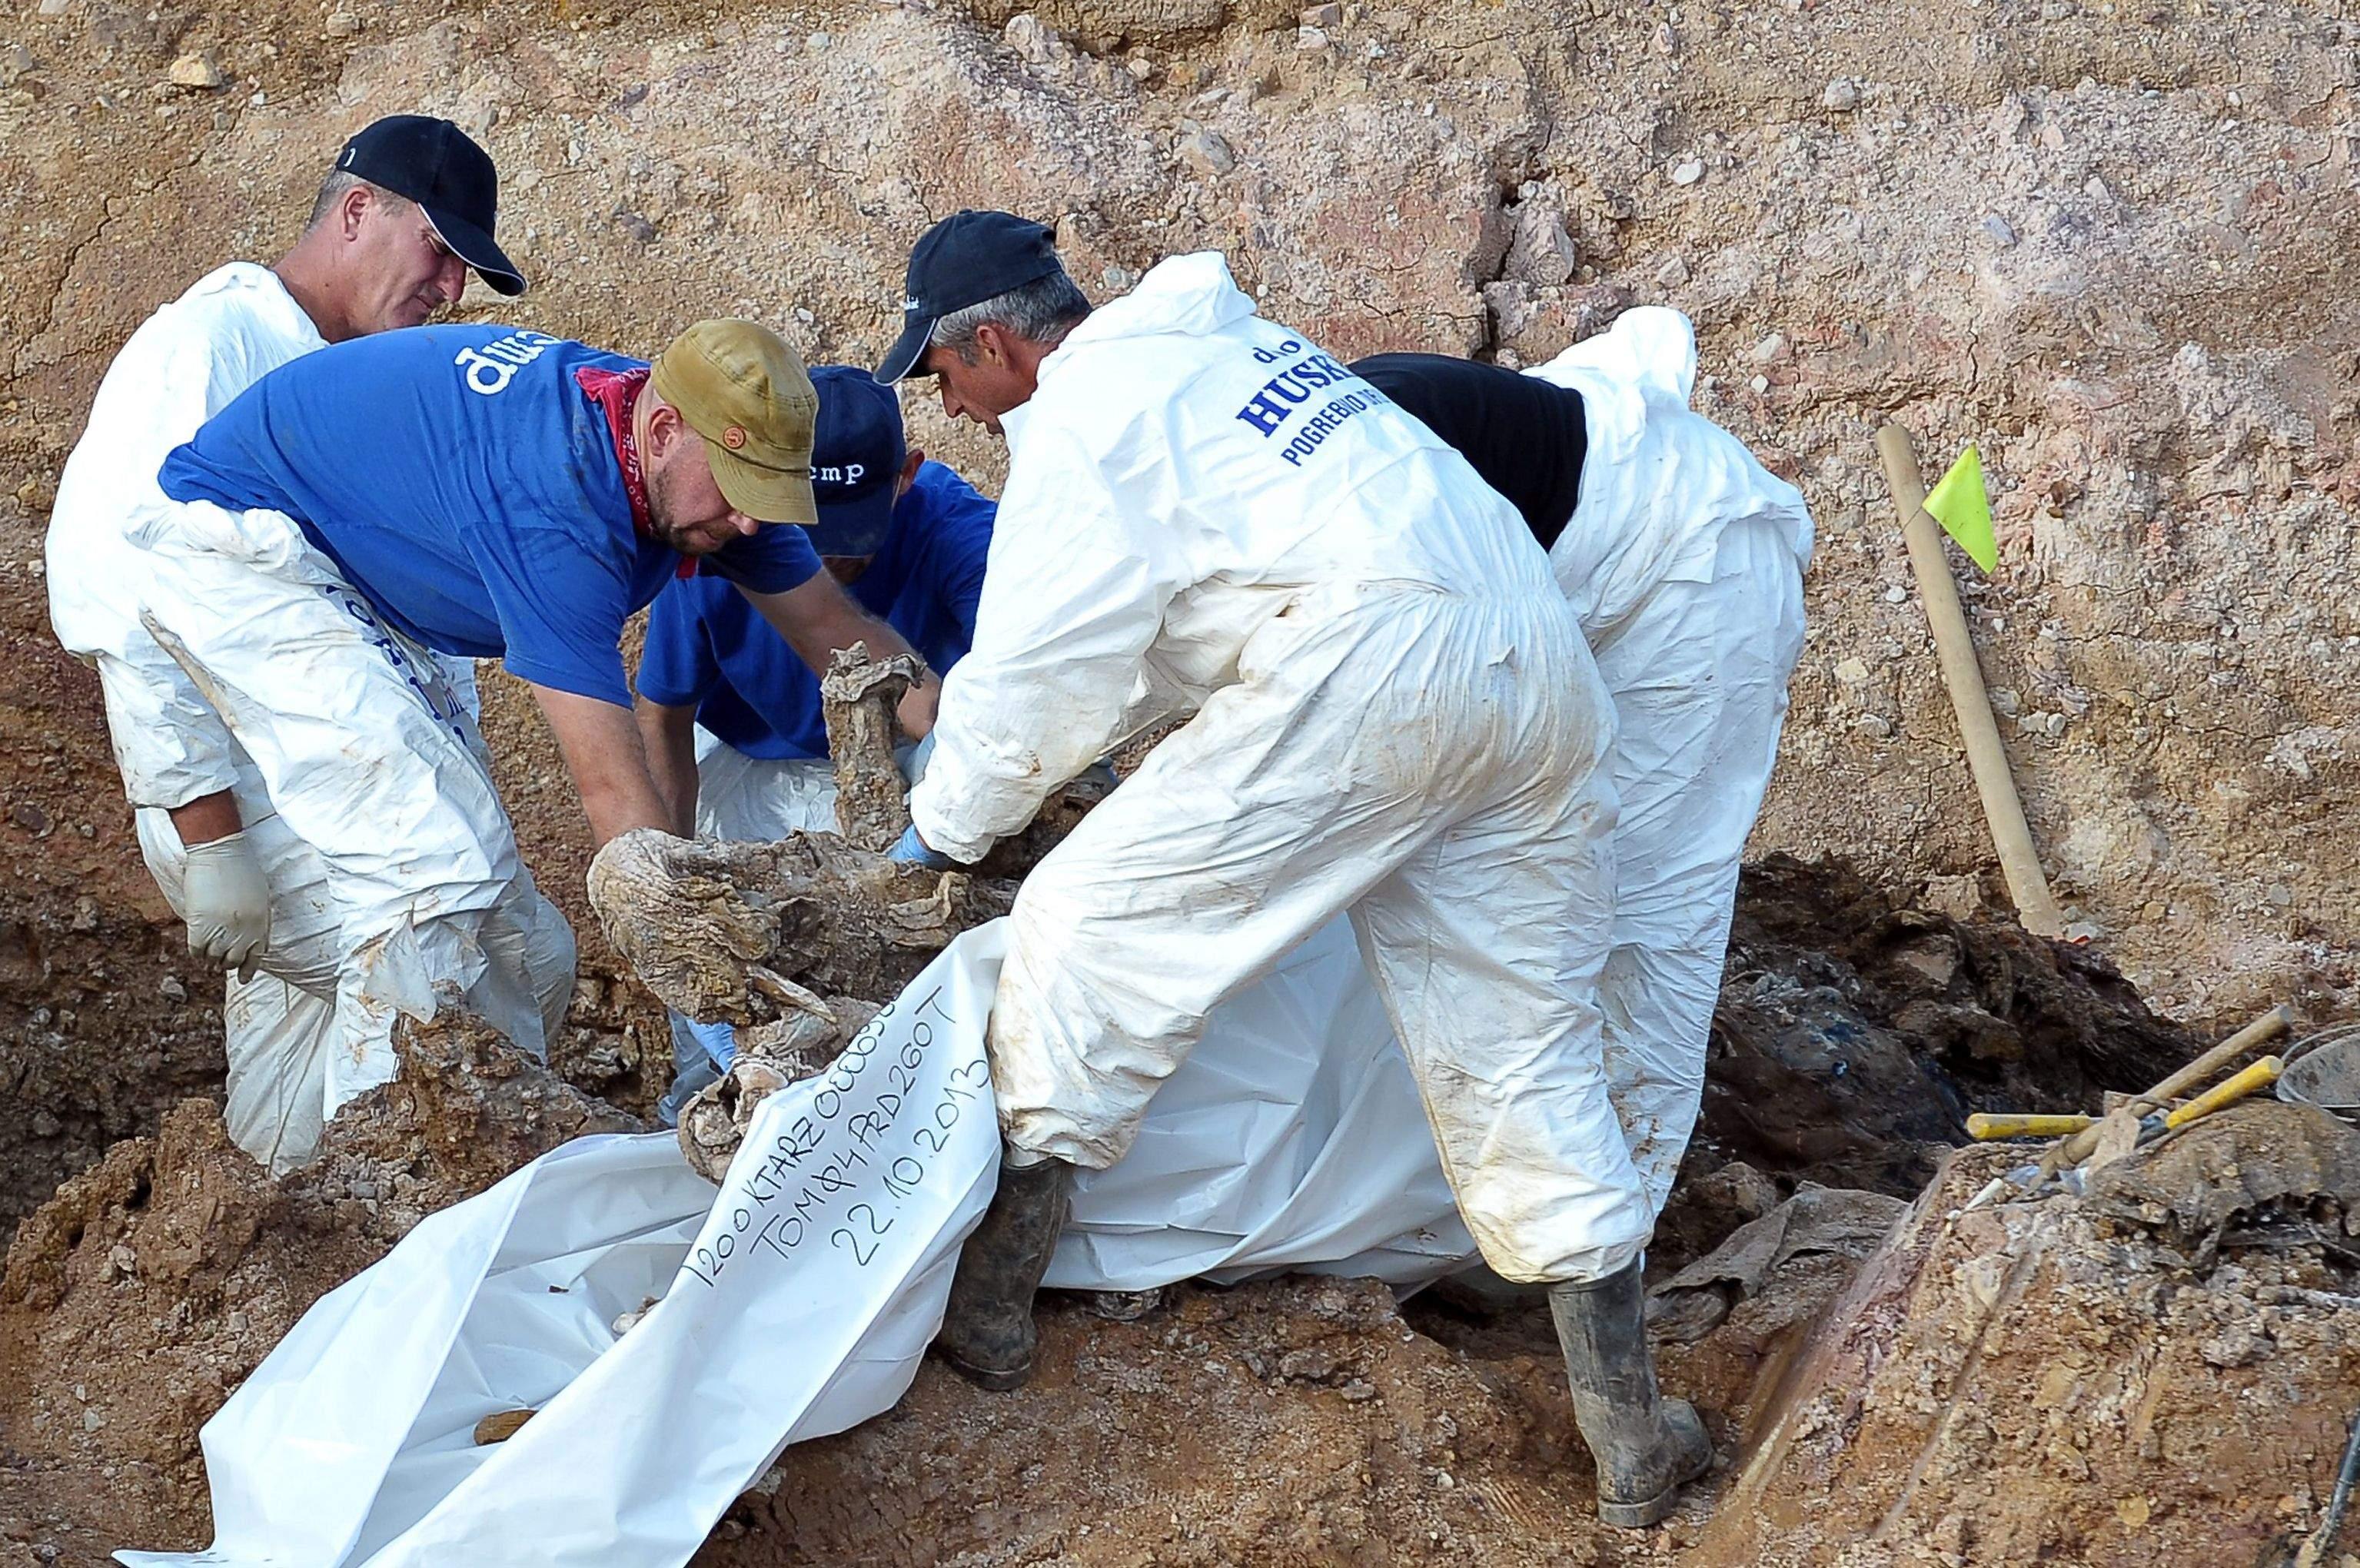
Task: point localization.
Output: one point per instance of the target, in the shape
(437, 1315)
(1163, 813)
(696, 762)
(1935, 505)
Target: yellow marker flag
(1962, 504)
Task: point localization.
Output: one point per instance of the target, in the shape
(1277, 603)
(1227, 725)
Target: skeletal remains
(799, 943)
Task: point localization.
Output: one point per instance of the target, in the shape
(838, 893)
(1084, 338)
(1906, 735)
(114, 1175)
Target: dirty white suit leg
(367, 758)
(277, 1025)
(1698, 680)
(1432, 759)
(762, 799)
(1684, 560)
(170, 745)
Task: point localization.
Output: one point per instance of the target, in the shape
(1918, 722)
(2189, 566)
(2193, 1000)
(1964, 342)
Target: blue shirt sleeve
(678, 668)
(561, 608)
(961, 542)
(778, 556)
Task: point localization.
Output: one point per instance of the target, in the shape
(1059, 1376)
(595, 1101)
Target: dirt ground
(1296, 1419)
(2109, 243)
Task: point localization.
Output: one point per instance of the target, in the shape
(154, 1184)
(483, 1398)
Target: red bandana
(617, 394)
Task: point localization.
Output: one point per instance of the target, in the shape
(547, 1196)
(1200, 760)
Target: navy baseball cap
(437, 165)
(966, 258)
(857, 455)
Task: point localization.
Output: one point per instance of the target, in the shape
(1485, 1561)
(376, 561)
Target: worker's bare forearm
(819, 617)
(669, 735)
(205, 819)
(603, 751)
(615, 808)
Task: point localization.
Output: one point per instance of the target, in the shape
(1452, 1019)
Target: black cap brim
(476, 249)
(907, 350)
(854, 528)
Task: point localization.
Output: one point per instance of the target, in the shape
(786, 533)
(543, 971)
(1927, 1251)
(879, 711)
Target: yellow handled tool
(2266, 1028)
(1983, 1128)
(2229, 1091)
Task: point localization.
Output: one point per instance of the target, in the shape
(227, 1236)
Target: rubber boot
(1646, 1446)
(988, 1334)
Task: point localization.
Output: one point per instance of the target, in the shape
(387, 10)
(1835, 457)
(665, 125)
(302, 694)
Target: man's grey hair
(333, 190)
(1042, 311)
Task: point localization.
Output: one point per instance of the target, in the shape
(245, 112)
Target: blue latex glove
(910, 850)
(913, 759)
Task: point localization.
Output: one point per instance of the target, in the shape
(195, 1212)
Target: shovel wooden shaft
(2261, 1031)
(2019, 861)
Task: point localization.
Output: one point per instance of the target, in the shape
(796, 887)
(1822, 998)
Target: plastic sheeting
(799, 1303)
(1292, 1137)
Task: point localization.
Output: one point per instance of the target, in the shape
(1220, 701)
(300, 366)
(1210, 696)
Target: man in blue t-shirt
(731, 719)
(491, 493)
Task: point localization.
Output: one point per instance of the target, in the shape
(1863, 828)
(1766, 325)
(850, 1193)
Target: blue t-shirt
(467, 486)
(707, 646)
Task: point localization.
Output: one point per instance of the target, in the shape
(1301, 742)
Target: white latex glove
(228, 903)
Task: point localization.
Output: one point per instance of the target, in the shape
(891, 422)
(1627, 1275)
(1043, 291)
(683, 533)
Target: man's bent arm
(602, 750)
(818, 616)
(1075, 598)
(669, 735)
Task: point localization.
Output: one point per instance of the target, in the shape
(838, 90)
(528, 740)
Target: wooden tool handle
(2019, 861)
(1983, 1127)
(2262, 1030)
(2228, 1091)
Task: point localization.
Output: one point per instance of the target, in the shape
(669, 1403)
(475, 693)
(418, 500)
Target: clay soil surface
(2112, 244)
(1300, 1419)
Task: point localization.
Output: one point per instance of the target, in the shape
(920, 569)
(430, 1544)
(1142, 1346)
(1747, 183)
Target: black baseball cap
(437, 165)
(858, 451)
(966, 258)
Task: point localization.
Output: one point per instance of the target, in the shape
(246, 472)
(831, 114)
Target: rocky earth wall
(2112, 245)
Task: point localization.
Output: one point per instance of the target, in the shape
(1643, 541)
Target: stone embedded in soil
(198, 72)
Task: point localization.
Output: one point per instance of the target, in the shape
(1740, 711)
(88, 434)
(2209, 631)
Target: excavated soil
(2087, 1381)
(2109, 243)
(1299, 1419)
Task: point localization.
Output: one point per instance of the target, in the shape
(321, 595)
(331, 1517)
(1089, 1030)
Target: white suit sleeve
(168, 740)
(1073, 597)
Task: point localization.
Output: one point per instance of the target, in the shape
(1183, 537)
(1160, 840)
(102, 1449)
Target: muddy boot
(987, 1327)
(1646, 1446)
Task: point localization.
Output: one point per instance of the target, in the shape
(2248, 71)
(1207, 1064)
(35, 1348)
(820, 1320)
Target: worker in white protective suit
(1394, 714)
(1684, 558)
(407, 211)
(485, 492)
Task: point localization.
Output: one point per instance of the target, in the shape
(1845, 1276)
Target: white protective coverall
(1684, 559)
(133, 575)
(760, 799)
(182, 366)
(1397, 715)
